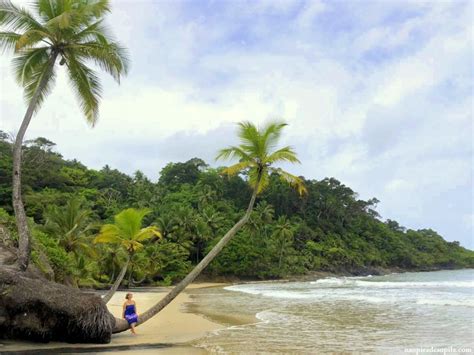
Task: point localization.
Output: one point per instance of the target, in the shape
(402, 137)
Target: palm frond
(294, 181)
(31, 38)
(271, 134)
(129, 221)
(70, 15)
(46, 9)
(147, 233)
(109, 56)
(30, 67)
(109, 233)
(62, 21)
(67, 14)
(86, 86)
(28, 62)
(233, 152)
(17, 19)
(250, 138)
(283, 154)
(8, 40)
(262, 182)
(236, 168)
(95, 32)
(96, 9)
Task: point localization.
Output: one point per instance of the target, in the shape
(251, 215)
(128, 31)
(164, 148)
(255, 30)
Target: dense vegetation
(193, 205)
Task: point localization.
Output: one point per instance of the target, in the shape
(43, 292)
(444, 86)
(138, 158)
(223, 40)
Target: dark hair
(128, 294)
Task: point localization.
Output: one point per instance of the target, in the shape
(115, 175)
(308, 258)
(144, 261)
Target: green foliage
(127, 231)
(193, 206)
(71, 225)
(71, 32)
(60, 260)
(256, 157)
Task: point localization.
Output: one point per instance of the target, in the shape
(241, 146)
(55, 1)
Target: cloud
(379, 97)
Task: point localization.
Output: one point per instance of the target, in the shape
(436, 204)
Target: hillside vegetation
(193, 205)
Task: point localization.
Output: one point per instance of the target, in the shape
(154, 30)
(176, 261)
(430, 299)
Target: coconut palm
(72, 33)
(167, 224)
(127, 232)
(256, 160)
(261, 216)
(212, 218)
(71, 225)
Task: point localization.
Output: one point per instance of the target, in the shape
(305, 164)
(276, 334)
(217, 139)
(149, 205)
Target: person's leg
(132, 328)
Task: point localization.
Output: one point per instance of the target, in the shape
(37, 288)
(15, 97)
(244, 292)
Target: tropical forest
(87, 254)
(192, 205)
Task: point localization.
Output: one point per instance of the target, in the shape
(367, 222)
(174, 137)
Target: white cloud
(394, 127)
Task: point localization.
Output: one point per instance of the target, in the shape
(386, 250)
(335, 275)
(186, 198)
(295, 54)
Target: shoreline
(174, 330)
(170, 332)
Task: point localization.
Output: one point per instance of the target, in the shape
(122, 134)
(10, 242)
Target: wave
(350, 282)
(446, 302)
(270, 292)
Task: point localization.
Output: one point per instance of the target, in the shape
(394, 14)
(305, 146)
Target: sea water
(396, 313)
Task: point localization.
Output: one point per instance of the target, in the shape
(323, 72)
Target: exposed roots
(40, 310)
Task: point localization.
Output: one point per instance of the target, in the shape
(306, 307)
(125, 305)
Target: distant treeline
(193, 206)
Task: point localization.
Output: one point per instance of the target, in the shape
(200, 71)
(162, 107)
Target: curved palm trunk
(24, 247)
(117, 282)
(121, 325)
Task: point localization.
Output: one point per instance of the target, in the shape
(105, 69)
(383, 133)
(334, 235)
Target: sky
(378, 94)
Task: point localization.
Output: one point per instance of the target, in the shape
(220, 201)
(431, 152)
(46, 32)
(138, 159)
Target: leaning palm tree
(127, 232)
(256, 160)
(73, 33)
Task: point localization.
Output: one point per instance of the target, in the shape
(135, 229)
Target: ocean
(396, 313)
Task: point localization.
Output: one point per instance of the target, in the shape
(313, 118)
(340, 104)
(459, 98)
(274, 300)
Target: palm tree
(260, 218)
(73, 33)
(127, 232)
(167, 224)
(70, 224)
(212, 218)
(265, 211)
(255, 161)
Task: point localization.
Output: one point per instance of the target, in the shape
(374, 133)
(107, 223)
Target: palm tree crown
(69, 30)
(256, 157)
(127, 230)
(70, 224)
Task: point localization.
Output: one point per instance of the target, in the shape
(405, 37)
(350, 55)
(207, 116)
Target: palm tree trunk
(122, 325)
(24, 247)
(117, 283)
(129, 281)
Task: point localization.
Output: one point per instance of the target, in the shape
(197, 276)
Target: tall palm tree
(256, 160)
(73, 33)
(127, 232)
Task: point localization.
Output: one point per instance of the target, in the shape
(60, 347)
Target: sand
(167, 333)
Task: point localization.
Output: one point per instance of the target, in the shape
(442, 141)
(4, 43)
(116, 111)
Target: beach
(363, 314)
(167, 333)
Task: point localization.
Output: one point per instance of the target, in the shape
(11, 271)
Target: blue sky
(377, 94)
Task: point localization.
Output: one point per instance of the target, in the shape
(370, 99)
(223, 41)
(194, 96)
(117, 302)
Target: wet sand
(167, 333)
